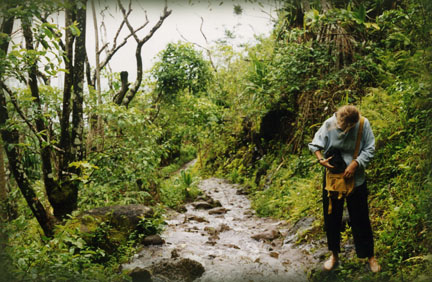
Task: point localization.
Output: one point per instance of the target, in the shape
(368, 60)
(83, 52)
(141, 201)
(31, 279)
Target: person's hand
(325, 162)
(350, 170)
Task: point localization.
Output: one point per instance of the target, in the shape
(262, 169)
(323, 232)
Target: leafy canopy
(181, 67)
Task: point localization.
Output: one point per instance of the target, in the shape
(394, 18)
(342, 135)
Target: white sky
(185, 20)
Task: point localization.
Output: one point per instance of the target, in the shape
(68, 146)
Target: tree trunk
(63, 198)
(97, 54)
(51, 185)
(97, 126)
(4, 216)
(11, 139)
(78, 84)
(72, 137)
(65, 138)
(131, 94)
(7, 26)
(118, 98)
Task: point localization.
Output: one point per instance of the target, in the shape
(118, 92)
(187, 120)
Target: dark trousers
(359, 219)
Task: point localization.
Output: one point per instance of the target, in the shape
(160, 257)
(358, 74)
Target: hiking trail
(220, 231)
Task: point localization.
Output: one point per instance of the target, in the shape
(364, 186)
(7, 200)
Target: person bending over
(335, 140)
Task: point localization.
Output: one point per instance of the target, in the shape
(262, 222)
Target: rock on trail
(221, 233)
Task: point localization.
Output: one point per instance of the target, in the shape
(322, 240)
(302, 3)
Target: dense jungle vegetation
(246, 115)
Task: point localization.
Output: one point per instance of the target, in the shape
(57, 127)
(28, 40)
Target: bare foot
(374, 265)
(330, 263)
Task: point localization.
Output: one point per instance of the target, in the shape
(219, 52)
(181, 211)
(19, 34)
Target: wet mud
(221, 232)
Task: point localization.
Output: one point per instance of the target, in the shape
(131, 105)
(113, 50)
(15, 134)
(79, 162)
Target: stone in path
(234, 245)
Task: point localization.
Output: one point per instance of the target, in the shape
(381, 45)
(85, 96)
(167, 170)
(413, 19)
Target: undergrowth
(396, 98)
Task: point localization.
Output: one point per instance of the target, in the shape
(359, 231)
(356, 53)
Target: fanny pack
(336, 184)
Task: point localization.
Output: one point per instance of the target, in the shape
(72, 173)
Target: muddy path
(221, 232)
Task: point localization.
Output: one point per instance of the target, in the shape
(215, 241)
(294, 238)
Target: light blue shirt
(330, 136)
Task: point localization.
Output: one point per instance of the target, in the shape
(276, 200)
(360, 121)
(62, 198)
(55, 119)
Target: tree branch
(51, 185)
(90, 82)
(21, 114)
(129, 96)
(201, 30)
(162, 18)
(103, 48)
(125, 19)
(43, 77)
(61, 43)
(208, 51)
(26, 120)
(115, 48)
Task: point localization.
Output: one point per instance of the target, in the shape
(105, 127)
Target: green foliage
(149, 226)
(47, 37)
(402, 190)
(293, 68)
(72, 254)
(123, 172)
(184, 110)
(65, 257)
(184, 123)
(180, 189)
(124, 166)
(185, 179)
(388, 78)
(181, 67)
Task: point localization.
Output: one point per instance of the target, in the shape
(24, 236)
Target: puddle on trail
(221, 240)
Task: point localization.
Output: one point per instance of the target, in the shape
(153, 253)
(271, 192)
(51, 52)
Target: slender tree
(61, 190)
(3, 189)
(10, 137)
(60, 150)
